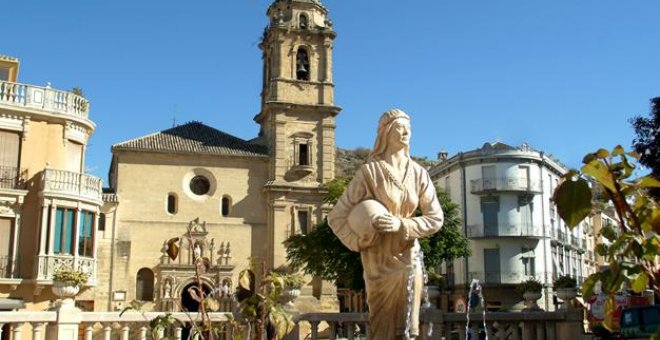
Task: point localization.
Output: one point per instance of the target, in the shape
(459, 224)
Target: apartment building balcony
(9, 268)
(48, 264)
(71, 184)
(510, 184)
(559, 236)
(12, 178)
(44, 100)
(501, 277)
(506, 230)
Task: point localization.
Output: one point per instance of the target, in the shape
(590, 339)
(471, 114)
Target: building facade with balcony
(49, 207)
(515, 234)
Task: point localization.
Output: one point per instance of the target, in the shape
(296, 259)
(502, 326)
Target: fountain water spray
(475, 292)
(417, 262)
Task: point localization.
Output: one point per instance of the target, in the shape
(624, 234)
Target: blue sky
(563, 75)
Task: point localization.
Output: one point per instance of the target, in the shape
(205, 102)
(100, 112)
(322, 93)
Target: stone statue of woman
(374, 216)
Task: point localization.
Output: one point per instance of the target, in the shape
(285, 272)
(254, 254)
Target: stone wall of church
(143, 223)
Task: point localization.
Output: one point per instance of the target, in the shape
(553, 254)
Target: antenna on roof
(174, 116)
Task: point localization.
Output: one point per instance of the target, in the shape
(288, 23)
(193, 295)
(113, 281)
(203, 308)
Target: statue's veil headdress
(384, 126)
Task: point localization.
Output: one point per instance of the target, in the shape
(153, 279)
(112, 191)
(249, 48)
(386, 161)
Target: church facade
(215, 195)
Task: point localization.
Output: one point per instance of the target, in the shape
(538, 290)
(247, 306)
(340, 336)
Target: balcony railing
(518, 230)
(12, 177)
(504, 184)
(43, 98)
(48, 264)
(9, 267)
(71, 183)
(504, 277)
(559, 235)
(434, 324)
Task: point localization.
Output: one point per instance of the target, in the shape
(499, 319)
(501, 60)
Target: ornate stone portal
(175, 276)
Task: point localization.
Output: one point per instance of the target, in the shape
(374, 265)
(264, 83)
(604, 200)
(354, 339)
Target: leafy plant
(564, 281)
(435, 279)
(530, 285)
(632, 246)
(70, 276)
(287, 277)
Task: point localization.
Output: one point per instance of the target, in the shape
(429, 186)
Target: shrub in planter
(70, 276)
(565, 281)
(529, 286)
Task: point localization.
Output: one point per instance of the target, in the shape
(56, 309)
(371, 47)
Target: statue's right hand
(386, 223)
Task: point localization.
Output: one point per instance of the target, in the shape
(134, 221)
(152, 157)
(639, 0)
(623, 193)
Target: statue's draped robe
(388, 260)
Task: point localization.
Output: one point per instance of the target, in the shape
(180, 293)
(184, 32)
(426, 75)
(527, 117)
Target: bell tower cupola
(297, 97)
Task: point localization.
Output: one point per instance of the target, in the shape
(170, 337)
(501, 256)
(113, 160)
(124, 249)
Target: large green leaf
(573, 200)
(649, 182)
(599, 171)
(640, 283)
(588, 286)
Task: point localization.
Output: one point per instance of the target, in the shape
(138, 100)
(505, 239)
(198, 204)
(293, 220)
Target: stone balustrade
(564, 325)
(45, 99)
(71, 183)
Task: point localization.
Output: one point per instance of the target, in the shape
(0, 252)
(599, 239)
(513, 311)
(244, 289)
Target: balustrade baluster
(89, 331)
(17, 330)
(350, 330)
(107, 331)
(461, 332)
(161, 333)
(550, 330)
(540, 331)
(515, 331)
(143, 333)
(528, 330)
(315, 329)
(367, 330)
(1, 326)
(332, 326)
(177, 333)
(124, 331)
(37, 327)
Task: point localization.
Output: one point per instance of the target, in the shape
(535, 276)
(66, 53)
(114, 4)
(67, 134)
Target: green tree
(320, 253)
(647, 142)
(632, 247)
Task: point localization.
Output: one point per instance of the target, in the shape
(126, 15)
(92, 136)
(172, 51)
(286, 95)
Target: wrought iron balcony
(62, 182)
(559, 235)
(46, 99)
(513, 230)
(48, 264)
(504, 184)
(12, 177)
(504, 277)
(9, 268)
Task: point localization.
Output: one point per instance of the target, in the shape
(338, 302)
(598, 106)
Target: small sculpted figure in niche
(374, 216)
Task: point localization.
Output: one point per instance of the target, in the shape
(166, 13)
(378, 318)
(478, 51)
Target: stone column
(572, 326)
(67, 323)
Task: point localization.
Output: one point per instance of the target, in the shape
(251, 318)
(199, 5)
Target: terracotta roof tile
(194, 137)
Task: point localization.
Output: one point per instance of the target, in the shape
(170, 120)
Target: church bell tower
(297, 117)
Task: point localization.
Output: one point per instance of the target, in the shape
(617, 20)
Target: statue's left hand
(387, 223)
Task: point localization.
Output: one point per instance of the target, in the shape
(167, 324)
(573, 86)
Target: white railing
(105, 325)
(44, 98)
(64, 323)
(72, 183)
(517, 184)
(506, 230)
(48, 264)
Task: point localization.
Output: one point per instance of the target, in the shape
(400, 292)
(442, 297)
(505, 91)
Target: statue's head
(393, 128)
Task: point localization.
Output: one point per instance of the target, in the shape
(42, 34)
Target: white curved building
(505, 195)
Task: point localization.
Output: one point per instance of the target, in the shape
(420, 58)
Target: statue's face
(400, 133)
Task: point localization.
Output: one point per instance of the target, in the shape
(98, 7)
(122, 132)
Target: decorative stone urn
(66, 291)
(530, 301)
(567, 295)
(288, 295)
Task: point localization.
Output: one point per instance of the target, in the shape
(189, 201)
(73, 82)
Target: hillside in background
(347, 161)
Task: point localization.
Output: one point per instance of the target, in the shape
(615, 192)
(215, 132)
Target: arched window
(144, 285)
(303, 23)
(171, 203)
(225, 206)
(302, 64)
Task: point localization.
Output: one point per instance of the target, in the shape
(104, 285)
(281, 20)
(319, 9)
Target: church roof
(193, 137)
